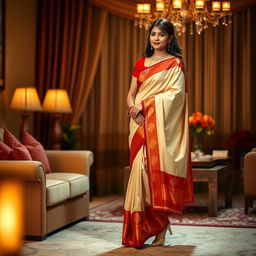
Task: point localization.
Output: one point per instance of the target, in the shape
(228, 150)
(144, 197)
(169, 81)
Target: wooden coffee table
(213, 176)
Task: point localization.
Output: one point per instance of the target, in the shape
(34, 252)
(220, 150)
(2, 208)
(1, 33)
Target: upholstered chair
(249, 180)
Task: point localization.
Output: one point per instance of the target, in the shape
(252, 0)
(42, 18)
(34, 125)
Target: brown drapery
(68, 51)
(105, 120)
(121, 8)
(95, 68)
(127, 8)
(219, 64)
(220, 67)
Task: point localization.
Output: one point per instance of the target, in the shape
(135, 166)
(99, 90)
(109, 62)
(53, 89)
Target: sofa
(53, 200)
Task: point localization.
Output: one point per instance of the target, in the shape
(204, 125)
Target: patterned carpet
(89, 238)
(195, 216)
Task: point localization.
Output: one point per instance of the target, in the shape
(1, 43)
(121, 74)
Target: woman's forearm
(130, 100)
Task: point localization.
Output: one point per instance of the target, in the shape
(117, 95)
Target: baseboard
(35, 238)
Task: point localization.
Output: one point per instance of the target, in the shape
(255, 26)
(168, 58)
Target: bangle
(129, 109)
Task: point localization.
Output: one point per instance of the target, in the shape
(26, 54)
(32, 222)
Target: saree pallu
(160, 182)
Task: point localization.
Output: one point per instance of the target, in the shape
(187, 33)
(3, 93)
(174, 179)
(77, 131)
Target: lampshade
(199, 4)
(57, 101)
(216, 6)
(26, 99)
(159, 6)
(177, 4)
(143, 8)
(226, 6)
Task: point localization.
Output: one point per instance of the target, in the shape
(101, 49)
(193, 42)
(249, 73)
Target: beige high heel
(159, 241)
(170, 229)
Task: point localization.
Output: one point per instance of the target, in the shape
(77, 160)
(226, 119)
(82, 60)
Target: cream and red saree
(160, 181)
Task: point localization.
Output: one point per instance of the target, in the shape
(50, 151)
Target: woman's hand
(135, 110)
(139, 119)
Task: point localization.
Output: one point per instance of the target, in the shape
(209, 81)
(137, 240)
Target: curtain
(105, 120)
(90, 53)
(68, 50)
(219, 69)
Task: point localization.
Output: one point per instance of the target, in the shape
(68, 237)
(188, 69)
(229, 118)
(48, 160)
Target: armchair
(249, 180)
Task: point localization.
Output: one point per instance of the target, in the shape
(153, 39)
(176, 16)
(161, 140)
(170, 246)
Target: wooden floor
(102, 200)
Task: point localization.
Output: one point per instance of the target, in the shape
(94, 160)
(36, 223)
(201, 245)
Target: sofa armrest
(250, 174)
(34, 180)
(77, 161)
(28, 171)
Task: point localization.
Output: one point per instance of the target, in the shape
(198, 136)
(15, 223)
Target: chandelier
(197, 13)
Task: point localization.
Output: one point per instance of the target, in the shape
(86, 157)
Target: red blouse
(138, 67)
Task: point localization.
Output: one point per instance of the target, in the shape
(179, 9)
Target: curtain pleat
(68, 51)
(105, 120)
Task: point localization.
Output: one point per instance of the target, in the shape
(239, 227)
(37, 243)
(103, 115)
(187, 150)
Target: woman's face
(159, 39)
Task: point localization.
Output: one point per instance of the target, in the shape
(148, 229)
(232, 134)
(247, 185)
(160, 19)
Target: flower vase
(197, 143)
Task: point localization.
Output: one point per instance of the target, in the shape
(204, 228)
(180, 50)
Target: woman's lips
(156, 43)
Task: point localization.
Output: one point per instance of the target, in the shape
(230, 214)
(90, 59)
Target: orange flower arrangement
(200, 124)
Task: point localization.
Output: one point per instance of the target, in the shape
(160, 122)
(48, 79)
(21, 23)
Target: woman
(160, 181)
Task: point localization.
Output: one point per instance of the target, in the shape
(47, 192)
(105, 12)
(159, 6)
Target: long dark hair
(167, 27)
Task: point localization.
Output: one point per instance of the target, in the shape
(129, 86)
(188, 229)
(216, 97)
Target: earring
(151, 48)
(169, 47)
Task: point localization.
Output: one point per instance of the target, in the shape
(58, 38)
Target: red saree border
(137, 141)
(189, 192)
(138, 226)
(170, 195)
(159, 67)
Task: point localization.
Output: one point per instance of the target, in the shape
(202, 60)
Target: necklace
(154, 59)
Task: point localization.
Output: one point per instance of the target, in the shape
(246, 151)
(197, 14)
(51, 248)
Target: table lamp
(26, 100)
(57, 102)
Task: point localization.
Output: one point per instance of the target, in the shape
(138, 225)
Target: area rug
(112, 211)
(88, 238)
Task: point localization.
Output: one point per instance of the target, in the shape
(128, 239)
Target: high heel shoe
(169, 229)
(158, 242)
(160, 238)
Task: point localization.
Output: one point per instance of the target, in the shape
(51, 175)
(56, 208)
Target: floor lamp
(57, 102)
(25, 100)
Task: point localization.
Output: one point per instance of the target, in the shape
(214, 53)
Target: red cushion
(9, 139)
(36, 150)
(5, 152)
(19, 152)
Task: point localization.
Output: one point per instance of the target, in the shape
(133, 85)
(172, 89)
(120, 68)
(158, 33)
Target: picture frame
(2, 44)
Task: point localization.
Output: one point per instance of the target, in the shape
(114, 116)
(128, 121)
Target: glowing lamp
(159, 6)
(216, 6)
(56, 101)
(143, 8)
(226, 6)
(199, 4)
(177, 4)
(26, 100)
